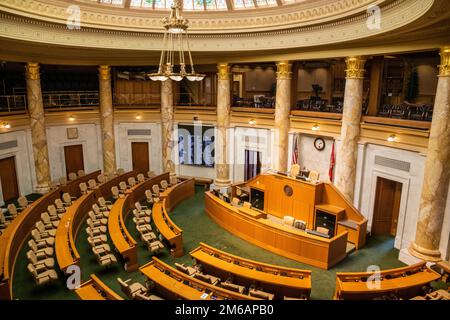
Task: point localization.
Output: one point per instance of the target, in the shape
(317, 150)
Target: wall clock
(319, 144)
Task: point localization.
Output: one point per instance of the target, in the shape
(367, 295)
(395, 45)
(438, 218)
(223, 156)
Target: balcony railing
(256, 102)
(13, 103)
(406, 111)
(70, 99)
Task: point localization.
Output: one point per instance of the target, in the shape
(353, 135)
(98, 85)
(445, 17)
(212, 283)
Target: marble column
(167, 126)
(107, 120)
(437, 171)
(282, 112)
(38, 133)
(223, 123)
(350, 129)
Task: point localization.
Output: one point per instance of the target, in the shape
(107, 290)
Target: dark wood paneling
(8, 178)
(74, 158)
(139, 151)
(387, 205)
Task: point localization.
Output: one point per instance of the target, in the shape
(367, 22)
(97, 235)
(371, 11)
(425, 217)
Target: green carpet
(198, 227)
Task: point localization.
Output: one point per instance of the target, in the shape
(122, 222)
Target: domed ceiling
(130, 32)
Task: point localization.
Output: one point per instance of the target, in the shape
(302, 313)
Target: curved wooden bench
(405, 283)
(17, 233)
(281, 281)
(67, 231)
(121, 238)
(174, 284)
(95, 289)
(177, 193)
(168, 229)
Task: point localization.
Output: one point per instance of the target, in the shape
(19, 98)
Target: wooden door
(140, 158)
(74, 158)
(252, 166)
(8, 178)
(387, 207)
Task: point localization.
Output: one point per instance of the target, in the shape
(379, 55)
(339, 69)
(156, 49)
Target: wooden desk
(121, 238)
(302, 201)
(177, 193)
(405, 283)
(95, 289)
(67, 231)
(280, 239)
(168, 229)
(17, 233)
(281, 281)
(253, 213)
(173, 284)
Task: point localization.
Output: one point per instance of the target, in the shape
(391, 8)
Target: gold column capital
(32, 71)
(284, 70)
(444, 67)
(104, 73)
(355, 67)
(223, 71)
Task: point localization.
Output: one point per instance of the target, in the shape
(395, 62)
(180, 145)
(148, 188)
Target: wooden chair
(81, 173)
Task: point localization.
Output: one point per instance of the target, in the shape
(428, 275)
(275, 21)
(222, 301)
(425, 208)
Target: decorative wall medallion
(72, 133)
(288, 190)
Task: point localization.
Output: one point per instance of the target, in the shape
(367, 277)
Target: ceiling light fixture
(392, 138)
(315, 127)
(174, 37)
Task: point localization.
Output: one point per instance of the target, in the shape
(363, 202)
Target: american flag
(332, 161)
(295, 151)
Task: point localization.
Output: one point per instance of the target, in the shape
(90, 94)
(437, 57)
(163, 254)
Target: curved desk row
(177, 193)
(405, 283)
(281, 281)
(174, 284)
(17, 233)
(95, 289)
(168, 229)
(280, 239)
(121, 238)
(66, 233)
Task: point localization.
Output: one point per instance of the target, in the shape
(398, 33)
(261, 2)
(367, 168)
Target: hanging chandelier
(174, 37)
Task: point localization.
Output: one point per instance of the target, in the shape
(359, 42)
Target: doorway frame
(398, 243)
(130, 151)
(83, 144)
(5, 156)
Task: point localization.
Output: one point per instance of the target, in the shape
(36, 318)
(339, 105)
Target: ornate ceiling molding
(395, 15)
(310, 12)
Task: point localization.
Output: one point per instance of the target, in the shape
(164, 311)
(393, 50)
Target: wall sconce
(392, 138)
(71, 118)
(315, 127)
(252, 122)
(5, 125)
(138, 117)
